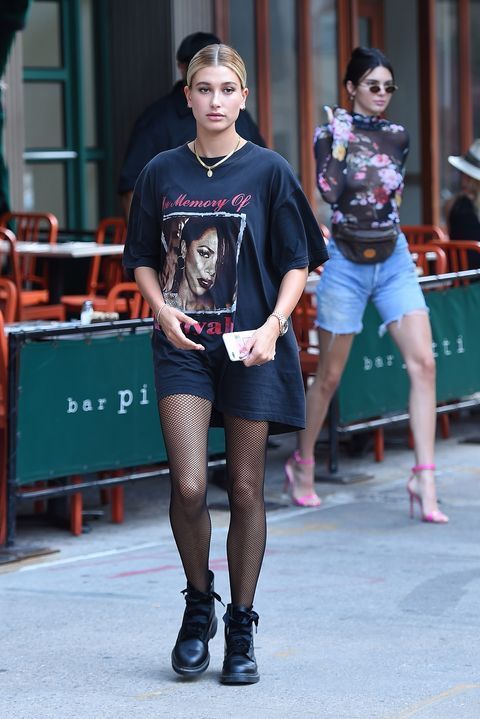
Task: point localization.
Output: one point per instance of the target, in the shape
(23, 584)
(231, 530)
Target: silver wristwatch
(282, 321)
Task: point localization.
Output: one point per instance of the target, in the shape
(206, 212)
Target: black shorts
(257, 393)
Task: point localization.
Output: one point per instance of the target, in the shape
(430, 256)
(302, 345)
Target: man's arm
(126, 200)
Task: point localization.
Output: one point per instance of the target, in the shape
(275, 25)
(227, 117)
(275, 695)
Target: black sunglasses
(376, 87)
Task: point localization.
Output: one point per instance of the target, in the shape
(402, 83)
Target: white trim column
(14, 128)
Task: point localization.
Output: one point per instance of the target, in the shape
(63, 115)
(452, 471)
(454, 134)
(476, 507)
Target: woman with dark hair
(203, 250)
(360, 168)
(255, 248)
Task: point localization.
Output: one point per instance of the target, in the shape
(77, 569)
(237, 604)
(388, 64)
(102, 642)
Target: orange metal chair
(303, 323)
(104, 272)
(8, 299)
(33, 227)
(457, 252)
(136, 306)
(32, 304)
(422, 234)
(428, 265)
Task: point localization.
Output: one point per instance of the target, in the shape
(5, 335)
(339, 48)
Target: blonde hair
(213, 55)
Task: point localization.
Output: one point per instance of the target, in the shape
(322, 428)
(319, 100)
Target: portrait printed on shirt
(200, 269)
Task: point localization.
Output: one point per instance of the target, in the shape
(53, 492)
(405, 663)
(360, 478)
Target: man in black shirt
(169, 122)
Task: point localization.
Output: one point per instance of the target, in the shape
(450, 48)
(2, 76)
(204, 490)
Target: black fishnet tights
(185, 420)
(246, 443)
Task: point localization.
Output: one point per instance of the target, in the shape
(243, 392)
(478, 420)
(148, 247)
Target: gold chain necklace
(211, 168)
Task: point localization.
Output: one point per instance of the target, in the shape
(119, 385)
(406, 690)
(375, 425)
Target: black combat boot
(190, 654)
(239, 665)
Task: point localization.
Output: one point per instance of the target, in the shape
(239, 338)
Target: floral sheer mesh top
(360, 170)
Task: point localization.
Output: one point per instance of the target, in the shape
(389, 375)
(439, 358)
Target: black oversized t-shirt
(222, 245)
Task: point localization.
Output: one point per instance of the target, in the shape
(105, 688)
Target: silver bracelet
(159, 312)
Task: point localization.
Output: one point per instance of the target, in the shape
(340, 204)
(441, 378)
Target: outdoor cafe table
(63, 249)
(59, 252)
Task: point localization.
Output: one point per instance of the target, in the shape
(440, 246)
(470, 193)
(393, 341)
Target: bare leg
(187, 457)
(413, 336)
(334, 351)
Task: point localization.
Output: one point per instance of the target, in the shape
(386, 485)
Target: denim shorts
(345, 287)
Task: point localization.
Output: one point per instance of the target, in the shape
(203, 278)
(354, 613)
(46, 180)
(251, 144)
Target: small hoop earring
(181, 263)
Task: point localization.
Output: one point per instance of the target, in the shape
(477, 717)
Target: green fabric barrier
(87, 405)
(375, 380)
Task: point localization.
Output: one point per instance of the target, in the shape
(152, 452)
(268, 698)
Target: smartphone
(235, 344)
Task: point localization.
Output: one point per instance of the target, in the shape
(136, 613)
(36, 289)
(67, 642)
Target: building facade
(83, 70)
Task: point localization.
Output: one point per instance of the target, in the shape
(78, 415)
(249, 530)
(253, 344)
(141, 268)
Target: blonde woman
(271, 239)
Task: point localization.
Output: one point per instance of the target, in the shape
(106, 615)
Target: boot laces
(238, 643)
(197, 613)
(239, 636)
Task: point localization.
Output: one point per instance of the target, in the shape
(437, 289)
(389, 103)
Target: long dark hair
(193, 228)
(362, 60)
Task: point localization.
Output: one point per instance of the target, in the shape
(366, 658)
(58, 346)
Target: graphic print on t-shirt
(200, 269)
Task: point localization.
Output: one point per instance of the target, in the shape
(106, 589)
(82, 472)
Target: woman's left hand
(261, 347)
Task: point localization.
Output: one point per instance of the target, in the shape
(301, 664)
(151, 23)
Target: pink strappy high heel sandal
(307, 500)
(436, 517)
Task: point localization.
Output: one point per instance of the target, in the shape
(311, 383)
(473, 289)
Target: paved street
(364, 614)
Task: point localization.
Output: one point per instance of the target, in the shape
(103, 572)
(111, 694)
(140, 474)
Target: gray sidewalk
(364, 613)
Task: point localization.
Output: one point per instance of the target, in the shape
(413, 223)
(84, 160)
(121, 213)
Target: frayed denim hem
(336, 334)
(384, 326)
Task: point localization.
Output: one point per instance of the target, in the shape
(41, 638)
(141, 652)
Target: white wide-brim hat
(469, 163)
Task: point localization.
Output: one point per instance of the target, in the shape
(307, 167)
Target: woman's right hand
(329, 114)
(170, 322)
(341, 124)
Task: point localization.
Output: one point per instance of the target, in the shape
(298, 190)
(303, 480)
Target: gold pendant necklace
(211, 168)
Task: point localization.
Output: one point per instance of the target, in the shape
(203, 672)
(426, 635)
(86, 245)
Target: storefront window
(242, 38)
(284, 81)
(475, 75)
(325, 70)
(324, 55)
(401, 21)
(88, 56)
(449, 107)
(44, 120)
(41, 38)
(93, 210)
(44, 189)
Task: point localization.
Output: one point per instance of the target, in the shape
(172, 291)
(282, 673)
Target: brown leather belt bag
(366, 247)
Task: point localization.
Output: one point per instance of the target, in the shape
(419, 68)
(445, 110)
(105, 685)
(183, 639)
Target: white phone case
(235, 344)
